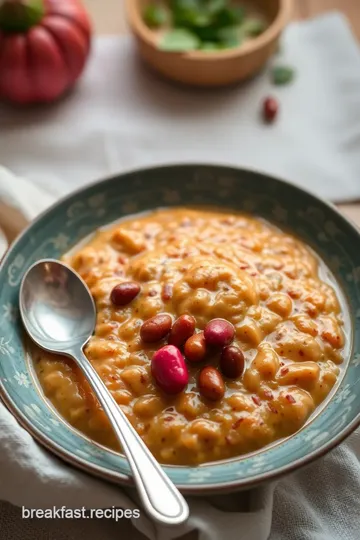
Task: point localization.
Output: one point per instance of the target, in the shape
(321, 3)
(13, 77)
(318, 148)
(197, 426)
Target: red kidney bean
(219, 333)
(167, 292)
(211, 384)
(124, 293)
(195, 348)
(182, 329)
(156, 328)
(270, 109)
(169, 369)
(232, 362)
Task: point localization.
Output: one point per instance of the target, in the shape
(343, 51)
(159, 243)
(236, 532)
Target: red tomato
(41, 60)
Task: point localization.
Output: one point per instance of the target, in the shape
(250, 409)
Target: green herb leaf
(214, 6)
(229, 37)
(252, 26)
(209, 25)
(239, 14)
(210, 46)
(200, 19)
(230, 16)
(282, 75)
(185, 4)
(186, 12)
(207, 33)
(179, 40)
(155, 15)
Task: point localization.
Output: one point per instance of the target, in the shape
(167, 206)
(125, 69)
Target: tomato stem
(20, 15)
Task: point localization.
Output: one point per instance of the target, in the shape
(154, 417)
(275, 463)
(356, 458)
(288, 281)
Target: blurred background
(109, 15)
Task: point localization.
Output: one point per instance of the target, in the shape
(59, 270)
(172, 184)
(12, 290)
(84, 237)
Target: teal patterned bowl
(63, 225)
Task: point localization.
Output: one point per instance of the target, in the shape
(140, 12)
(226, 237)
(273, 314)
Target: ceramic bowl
(210, 69)
(55, 231)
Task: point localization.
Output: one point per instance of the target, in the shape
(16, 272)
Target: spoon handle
(161, 499)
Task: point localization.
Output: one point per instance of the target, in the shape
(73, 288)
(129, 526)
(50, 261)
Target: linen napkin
(99, 130)
(121, 116)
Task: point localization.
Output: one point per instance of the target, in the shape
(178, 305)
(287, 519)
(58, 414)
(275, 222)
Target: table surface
(109, 18)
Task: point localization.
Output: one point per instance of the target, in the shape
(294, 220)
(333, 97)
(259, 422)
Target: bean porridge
(217, 334)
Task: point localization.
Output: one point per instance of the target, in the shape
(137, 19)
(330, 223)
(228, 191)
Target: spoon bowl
(57, 308)
(59, 314)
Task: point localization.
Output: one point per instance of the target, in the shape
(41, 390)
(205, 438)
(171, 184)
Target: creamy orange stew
(205, 264)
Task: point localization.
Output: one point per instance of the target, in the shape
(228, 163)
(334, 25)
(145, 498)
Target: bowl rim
(121, 478)
(271, 33)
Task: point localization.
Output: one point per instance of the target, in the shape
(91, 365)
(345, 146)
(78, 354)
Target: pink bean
(219, 333)
(169, 369)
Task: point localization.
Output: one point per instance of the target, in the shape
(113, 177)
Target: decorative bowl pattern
(53, 233)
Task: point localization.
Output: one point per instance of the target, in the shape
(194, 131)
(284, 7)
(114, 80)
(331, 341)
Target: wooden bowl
(218, 68)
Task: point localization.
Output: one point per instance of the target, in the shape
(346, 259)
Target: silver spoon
(59, 314)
